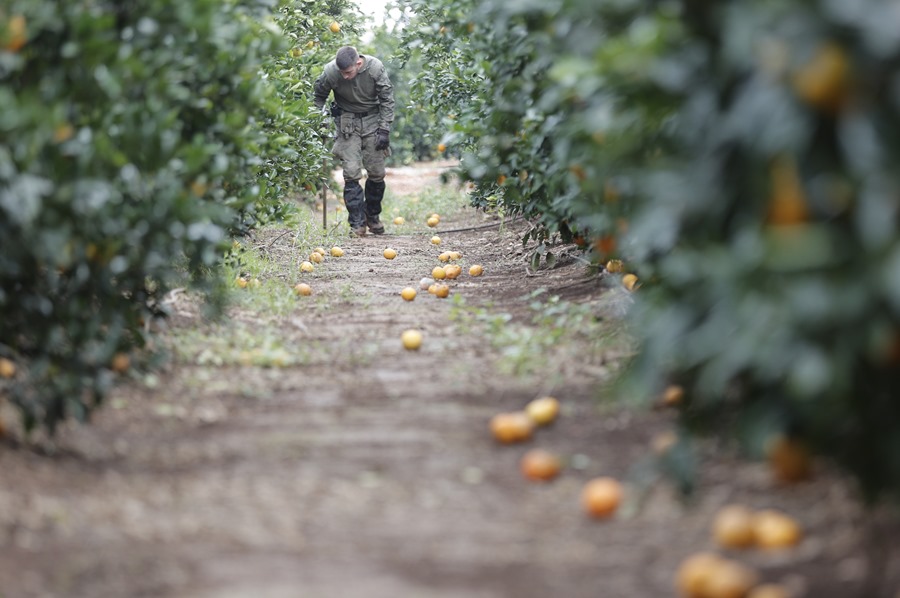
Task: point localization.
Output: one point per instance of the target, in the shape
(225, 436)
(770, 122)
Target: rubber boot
(374, 195)
(355, 201)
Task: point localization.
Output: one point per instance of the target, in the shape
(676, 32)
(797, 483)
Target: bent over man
(363, 109)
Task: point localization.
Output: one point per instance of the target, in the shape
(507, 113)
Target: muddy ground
(349, 467)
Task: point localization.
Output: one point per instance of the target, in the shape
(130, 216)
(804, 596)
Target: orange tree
(293, 123)
(134, 138)
(740, 157)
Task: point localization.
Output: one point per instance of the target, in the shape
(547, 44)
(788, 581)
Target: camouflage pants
(354, 146)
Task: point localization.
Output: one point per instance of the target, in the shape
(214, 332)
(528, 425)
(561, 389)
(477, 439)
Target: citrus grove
(712, 185)
(738, 159)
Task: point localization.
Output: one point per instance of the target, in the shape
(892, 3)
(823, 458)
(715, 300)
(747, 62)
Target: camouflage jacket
(368, 91)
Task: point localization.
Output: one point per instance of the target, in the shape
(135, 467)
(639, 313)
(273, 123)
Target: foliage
(416, 130)
(133, 138)
(740, 157)
(294, 125)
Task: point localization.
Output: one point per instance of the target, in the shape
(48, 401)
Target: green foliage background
(135, 139)
(741, 157)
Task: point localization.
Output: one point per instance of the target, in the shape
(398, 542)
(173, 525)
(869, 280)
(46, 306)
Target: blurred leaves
(739, 157)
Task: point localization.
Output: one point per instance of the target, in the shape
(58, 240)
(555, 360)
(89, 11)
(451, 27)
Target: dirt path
(346, 466)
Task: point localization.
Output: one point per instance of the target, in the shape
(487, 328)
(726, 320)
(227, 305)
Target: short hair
(346, 57)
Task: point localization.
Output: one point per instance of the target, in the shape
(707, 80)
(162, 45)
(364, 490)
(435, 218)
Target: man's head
(348, 62)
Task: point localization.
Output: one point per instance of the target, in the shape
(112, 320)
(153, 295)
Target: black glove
(381, 139)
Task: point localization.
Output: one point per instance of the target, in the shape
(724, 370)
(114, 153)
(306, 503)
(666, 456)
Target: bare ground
(355, 468)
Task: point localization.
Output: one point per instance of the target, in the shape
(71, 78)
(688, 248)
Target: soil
(356, 468)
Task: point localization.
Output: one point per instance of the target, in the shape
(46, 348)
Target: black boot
(355, 201)
(374, 194)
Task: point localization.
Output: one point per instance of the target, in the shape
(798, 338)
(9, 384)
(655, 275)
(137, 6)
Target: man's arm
(385, 92)
(321, 89)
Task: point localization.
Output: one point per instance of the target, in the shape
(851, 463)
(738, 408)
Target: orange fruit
(432, 221)
(411, 339)
(629, 281)
(615, 266)
(441, 147)
(455, 255)
(120, 362)
(302, 289)
(694, 573)
(601, 496)
(7, 368)
(337, 252)
(476, 270)
(540, 465)
(789, 459)
(787, 203)
(511, 427)
(435, 240)
(321, 251)
(729, 579)
(733, 527)
(442, 291)
(241, 282)
(673, 395)
(773, 529)
(335, 27)
(390, 253)
(438, 273)
(501, 179)
(399, 220)
(408, 293)
(452, 271)
(316, 257)
(824, 81)
(432, 288)
(543, 410)
(769, 590)
(306, 267)
(16, 36)
(444, 257)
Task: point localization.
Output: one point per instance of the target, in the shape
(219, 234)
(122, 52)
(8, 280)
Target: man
(363, 108)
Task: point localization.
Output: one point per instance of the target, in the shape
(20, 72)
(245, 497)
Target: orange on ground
(438, 273)
(789, 459)
(773, 529)
(432, 221)
(769, 590)
(730, 579)
(601, 496)
(306, 267)
(120, 362)
(390, 253)
(441, 290)
(511, 427)
(337, 252)
(630, 281)
(673, 395)
(540, 465)
(399, 220)
(615, 266)
(302, 289)
(452, 271)
(543, 410)
(408, 293)
(455, 255)
(444, 257)
(411, 339)
(476, 270)
(693, 574)
(435, 240)
(733, 527)
(321, 250)
(316, 257)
